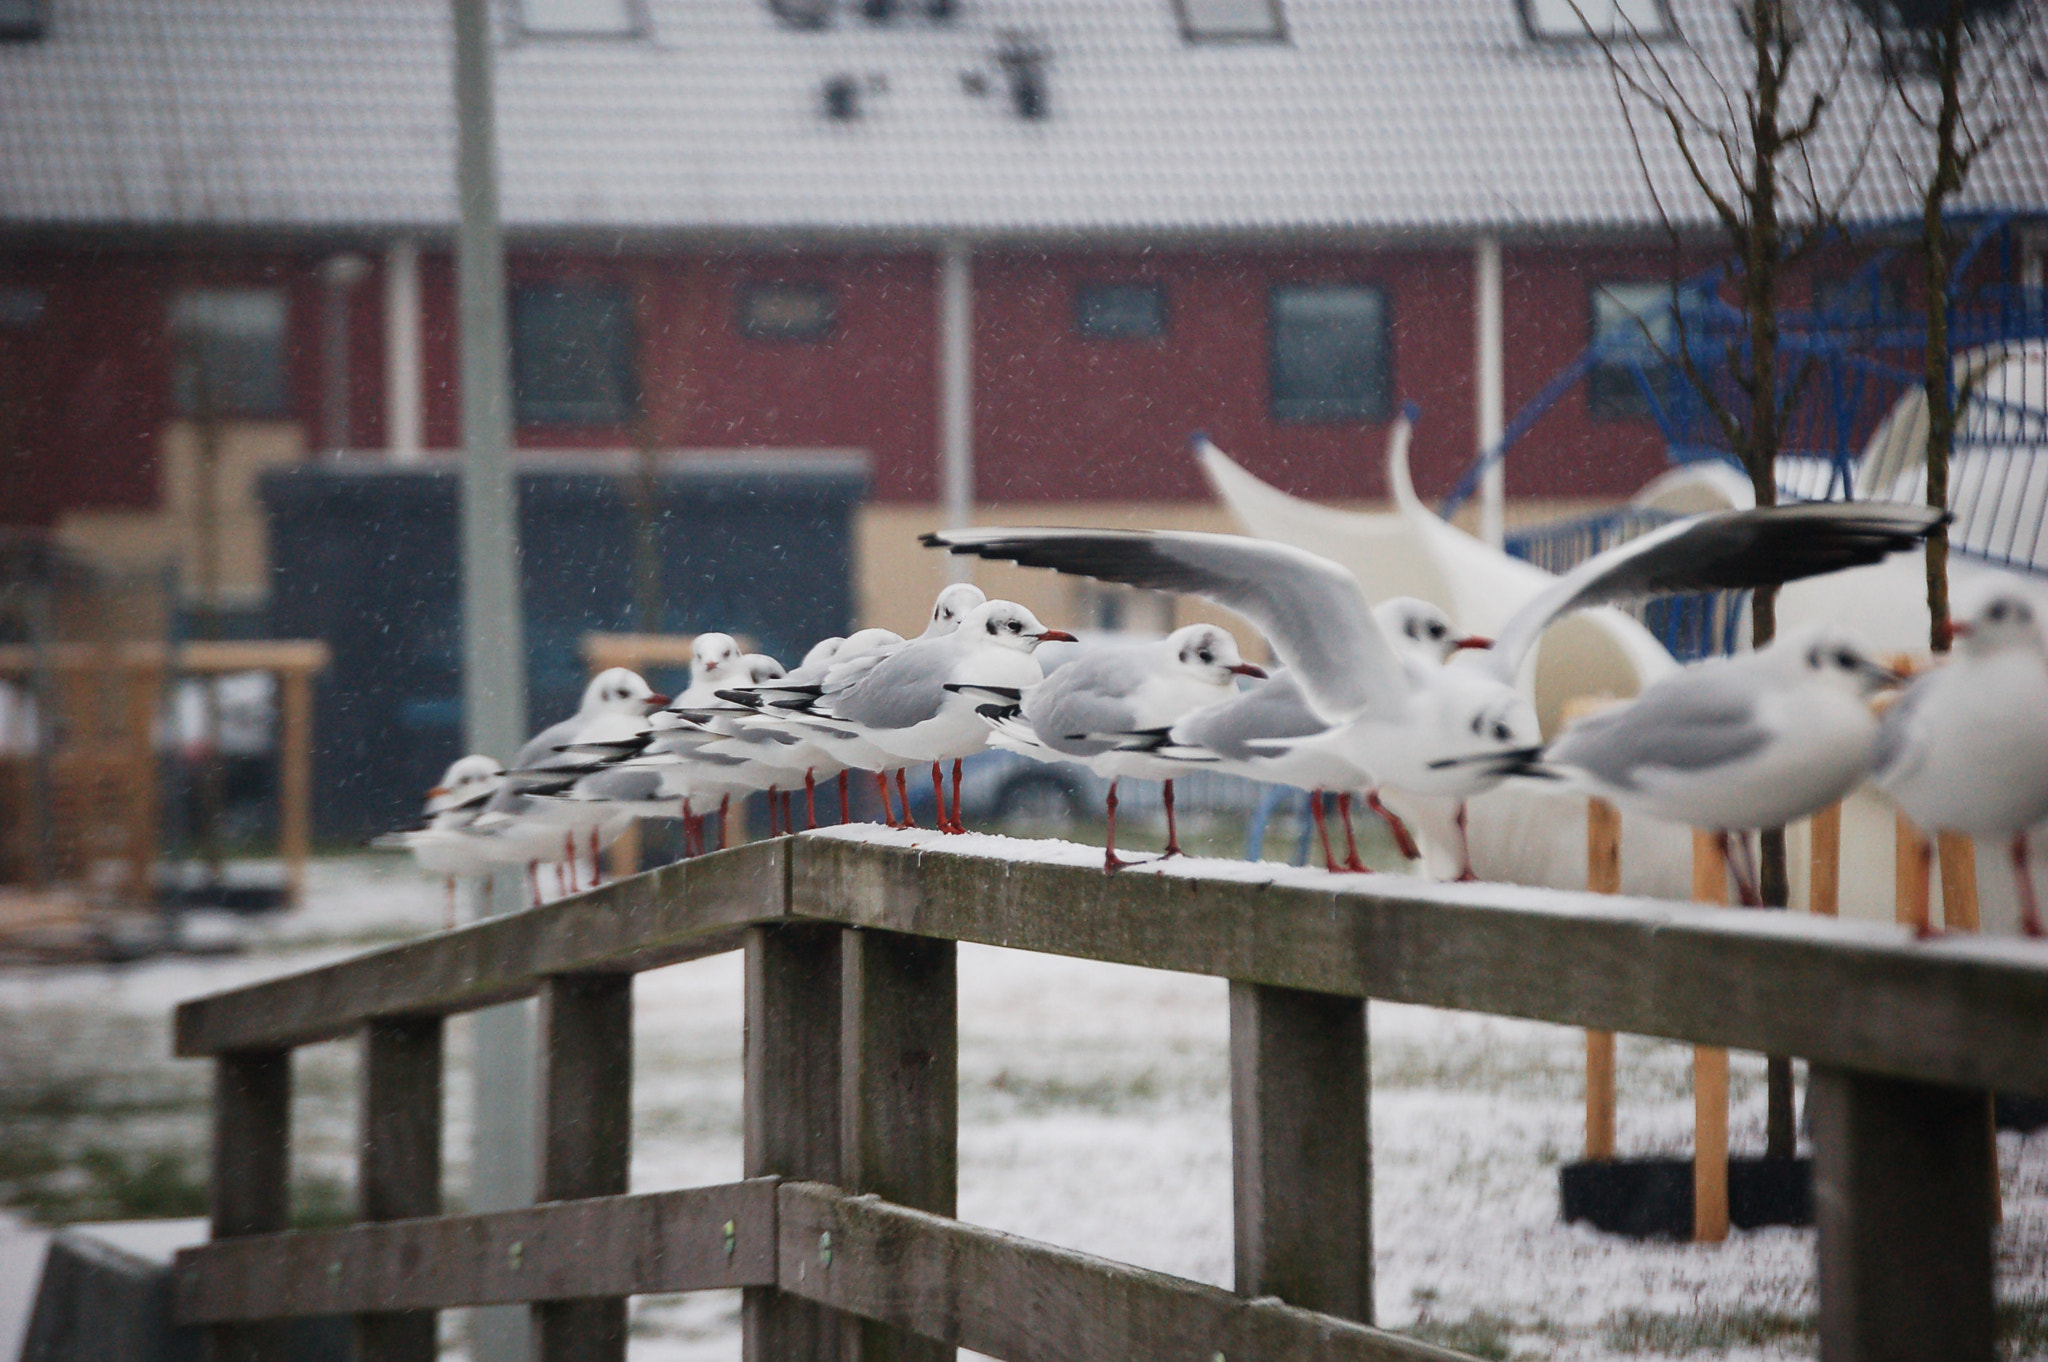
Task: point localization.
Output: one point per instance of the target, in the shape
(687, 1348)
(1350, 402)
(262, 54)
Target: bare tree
(1743, 105)
(1959, 69)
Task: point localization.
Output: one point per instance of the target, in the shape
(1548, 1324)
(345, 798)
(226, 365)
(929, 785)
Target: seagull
(902, 710)
(1965, 746)
(444, 845)
(1083, 711)
(1431, 729)
(1733, 743)
(1232, 735)
(716, 660)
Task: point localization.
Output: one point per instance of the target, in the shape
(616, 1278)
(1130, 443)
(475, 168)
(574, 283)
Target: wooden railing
(842, 1234)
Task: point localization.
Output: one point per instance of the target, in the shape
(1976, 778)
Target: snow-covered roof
(1372, 116)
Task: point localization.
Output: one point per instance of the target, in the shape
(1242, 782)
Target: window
(1330, 354)
(1120, 311)
(1862, 297)
(572, 355)
(1565, 20)
(582, 18)
(800, 312)
(227, 353)
(1635, 332)
(1231, 21)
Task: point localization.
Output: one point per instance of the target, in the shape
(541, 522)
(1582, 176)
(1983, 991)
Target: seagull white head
(1997, 620)
(468, 779)
(1834, 659)
(616, 690)
(716, 659)
(1006, 624)
(822, 652)
(1211, 653)
(1417, 626)
(952, 606)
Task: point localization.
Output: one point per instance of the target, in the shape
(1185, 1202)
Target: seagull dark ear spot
(1813, 659)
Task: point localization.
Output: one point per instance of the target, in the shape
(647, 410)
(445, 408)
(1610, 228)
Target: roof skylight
(1231, 21)
(1555, 20)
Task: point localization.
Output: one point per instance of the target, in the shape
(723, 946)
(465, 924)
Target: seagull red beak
(1472, 641)
(1247, 669)
(437, 792)
(1057, 636)
(1960, 629)
(656, 701)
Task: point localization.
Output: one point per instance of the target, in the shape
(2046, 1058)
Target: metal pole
(402, 351)
(493, 636)
(1488, 386)
(956, 393)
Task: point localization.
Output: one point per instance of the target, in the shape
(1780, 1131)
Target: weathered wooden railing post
(399, 1175)
(586, 1139)
(900, 1127)
(792, 1110)
(250, 1183)
(1902, 1188)
(1301, 1148)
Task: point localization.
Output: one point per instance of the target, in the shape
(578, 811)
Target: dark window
(1120, 311)
(24, 20)
(1566, 20)
(227, 352)
(1862, 297)
(572, 355)
(1636, 335)
(1330, 359)
(1230, 21)
(786, 311)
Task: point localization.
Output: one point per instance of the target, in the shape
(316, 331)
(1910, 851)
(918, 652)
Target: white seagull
(1965, 747)
(444, 845)
(1436, 730)
(1085, 710)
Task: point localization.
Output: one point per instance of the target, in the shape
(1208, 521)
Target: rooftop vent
(1023, 61)
(841, 96)
(803, 14)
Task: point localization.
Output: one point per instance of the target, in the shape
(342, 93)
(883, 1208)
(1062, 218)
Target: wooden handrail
(852, 1093)
(198, 656)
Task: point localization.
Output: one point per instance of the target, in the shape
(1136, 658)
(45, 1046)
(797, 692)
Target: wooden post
(1902, 1181)
(399, 1176)
(1603, 876)
(1824, 876)
(1958, 881)
(1709, 1078)
(249, 1190)
(295, 776)
(586, 1135)
(792, 1110)
(1911, 870)
(1301, 1148)
(145, 689)
(900, 1073)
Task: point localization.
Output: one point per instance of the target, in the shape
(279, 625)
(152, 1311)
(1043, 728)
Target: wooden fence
(842, 1233)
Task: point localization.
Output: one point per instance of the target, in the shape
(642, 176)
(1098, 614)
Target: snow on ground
(1094, 1114)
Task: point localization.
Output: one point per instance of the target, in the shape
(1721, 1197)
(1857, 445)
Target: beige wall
(169, 534)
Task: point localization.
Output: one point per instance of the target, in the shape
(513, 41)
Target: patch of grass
(2023, 1329)
(99, 1183)
(322, 1204)
(1482, 1333)
(1041, 1093)
(1702, 1331)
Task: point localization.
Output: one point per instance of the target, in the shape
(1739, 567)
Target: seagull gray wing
(622, 784)
(1898, 753)
(542, 747)
(1274, 709)
(1701, 718)
(1309, 608)
(1721, 551)
(902, 690)
(1084, 707)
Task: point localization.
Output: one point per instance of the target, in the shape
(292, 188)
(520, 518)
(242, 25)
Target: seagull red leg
(1465, 872)
(903, 798)
(533, 878)
(1315, 809)
(882, 789)
(1172, 831)
(845, 798)
(958, 826)
(1402, 837)
(1109, 857)
(939, 800)
(1351, 861)
(724, 803)
(596, 865)
(810, 799)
